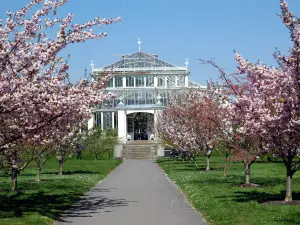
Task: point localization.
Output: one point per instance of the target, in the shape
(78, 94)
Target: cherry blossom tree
(271, 102)
(240, 146)
(213, 118)
(175, 122)
(37, 104)
(65, 149)
(195, 120)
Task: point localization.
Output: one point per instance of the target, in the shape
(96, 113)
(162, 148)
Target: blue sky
(176, 29)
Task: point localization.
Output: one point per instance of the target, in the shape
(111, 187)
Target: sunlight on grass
(222, 201)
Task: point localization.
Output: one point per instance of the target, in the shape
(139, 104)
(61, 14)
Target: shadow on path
(54, 205)
(88, 205)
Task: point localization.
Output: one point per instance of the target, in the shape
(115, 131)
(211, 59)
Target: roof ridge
(130, 61)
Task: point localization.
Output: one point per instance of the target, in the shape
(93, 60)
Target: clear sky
(176, 29)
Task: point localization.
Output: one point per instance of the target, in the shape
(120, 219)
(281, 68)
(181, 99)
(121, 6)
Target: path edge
(184, 195)
(84, 194)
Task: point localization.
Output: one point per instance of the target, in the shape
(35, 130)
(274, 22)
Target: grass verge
(43, 203)
(222, 201)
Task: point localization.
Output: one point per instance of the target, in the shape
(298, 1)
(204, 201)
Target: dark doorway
(140, 126)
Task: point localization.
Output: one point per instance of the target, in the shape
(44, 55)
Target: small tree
(98, 141)
(65, 149)
(91, 141)
(41, 160)
(18, 159)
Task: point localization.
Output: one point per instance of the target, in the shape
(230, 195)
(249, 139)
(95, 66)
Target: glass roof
(139, 59)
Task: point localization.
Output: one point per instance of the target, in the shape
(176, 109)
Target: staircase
(140, 150)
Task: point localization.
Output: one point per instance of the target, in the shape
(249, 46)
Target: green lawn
(222, 200)
(42, 203)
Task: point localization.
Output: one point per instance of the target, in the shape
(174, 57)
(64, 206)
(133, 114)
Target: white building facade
(142, 84)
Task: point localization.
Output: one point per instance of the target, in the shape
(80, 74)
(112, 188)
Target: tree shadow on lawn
(73, 172)
(235, 181)
(259, 196)
(54, 173)
(190, 166)
(55, 205)
(292, 218)
(232, 181)
(203, 169)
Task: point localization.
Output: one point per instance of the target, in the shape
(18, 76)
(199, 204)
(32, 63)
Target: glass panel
(118, 81)
(139, 81)
(107, 120)
(139, 59)
(180, 81)
(171, 81)
(130, 98)
(160, 81)
(140, 98)
(150, 98)
(129, 82)
(129, 125)
(110, 82)
(149, 81)
(98, 119)
(116, 120)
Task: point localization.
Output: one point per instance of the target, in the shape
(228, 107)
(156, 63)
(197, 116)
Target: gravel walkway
(135, 193)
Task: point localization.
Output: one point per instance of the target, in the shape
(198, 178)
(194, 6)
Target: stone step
(134, 147)
(141, 146)
(136, 153)
(141, 142)
(136, 150)
(139, 149)
(137, 156)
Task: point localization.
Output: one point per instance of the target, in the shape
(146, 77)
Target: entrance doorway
(140, 126)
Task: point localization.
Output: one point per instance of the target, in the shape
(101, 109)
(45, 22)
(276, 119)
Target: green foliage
(97, 141)
(222, 201)
(267, 158)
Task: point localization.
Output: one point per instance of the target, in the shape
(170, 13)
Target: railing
(175, 68)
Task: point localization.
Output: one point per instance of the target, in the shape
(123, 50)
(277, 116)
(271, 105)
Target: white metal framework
(141, 82)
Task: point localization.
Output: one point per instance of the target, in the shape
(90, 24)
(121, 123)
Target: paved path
(135, 193)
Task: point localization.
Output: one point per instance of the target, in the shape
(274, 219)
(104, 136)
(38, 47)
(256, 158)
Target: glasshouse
(142, 84)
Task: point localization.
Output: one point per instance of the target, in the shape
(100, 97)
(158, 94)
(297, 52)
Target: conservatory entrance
(140, 126)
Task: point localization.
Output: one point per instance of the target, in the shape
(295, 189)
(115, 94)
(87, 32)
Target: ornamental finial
(139, 43)
(186, 63)
(92, 65)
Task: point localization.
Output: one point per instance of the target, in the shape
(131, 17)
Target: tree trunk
(14, 175)
(289, 177)
(79, 155)
(225, 165)
(39, 172)
(208, 162)
(61, 164)
(96, 156)
(39, 169)
(247, 171)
